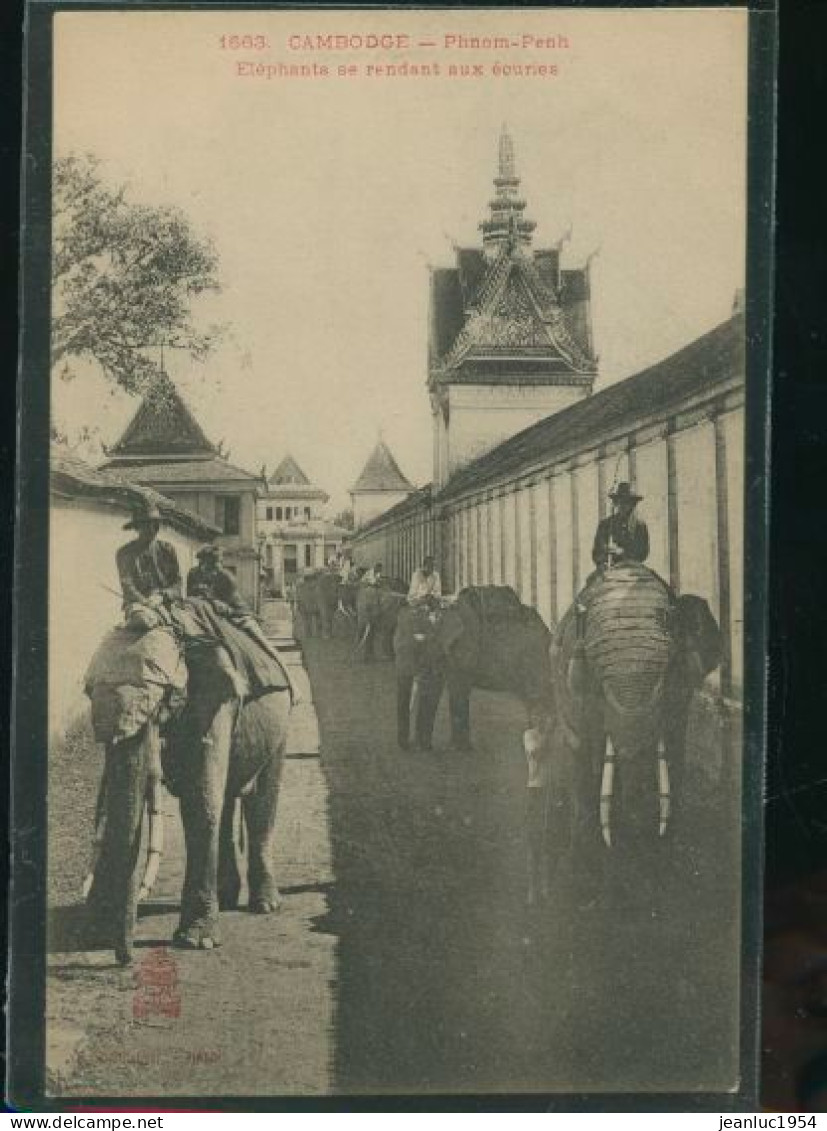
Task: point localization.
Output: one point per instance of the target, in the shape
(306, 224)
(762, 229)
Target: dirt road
(404, 958)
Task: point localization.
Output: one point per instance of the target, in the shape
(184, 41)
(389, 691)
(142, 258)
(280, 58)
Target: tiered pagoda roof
(164, 444)
(507, 311)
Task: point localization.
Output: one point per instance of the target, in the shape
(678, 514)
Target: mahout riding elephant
(626, 661)
(222, 744)
(377, 610)
(486, 638)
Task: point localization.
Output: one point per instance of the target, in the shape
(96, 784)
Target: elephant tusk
(607, 786)
(664, 791)
(155, 845)
(413, 705)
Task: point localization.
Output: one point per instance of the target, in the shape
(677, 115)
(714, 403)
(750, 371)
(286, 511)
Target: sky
(328, 198)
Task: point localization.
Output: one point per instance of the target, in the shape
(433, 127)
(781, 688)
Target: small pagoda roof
(381, 473)
(163, 426)
(290, 481)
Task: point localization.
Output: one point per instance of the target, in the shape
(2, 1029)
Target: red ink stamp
(157, 992)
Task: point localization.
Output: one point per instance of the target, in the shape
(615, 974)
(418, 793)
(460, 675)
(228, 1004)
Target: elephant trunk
(113, 894)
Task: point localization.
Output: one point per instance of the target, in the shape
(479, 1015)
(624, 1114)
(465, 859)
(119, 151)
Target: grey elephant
(317, 599)
(484, 639)
(220, 745)
(377, 609)
(306, 603)
(626, 661)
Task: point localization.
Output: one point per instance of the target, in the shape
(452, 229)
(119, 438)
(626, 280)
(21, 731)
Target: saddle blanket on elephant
(627, 634)
(199, 623)
(130, 675)
(493, 604)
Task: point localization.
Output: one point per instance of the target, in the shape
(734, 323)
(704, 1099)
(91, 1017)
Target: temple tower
(510, 337)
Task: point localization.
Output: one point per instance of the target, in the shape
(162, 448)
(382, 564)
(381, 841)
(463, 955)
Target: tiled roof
(214, 470)
(454, 290)
(73, 477)
(381, 473)
(711, 360)
(163, 425)
(288, 471)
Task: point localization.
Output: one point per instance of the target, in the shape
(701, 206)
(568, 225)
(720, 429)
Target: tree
(123, 279)
(344, 519)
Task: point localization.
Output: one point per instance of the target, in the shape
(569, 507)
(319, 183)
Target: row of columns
(535, 533)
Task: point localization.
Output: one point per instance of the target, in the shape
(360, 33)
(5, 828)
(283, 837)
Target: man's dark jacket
(630, 534)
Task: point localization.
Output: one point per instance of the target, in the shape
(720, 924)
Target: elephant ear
(459, 626)
(698, 635)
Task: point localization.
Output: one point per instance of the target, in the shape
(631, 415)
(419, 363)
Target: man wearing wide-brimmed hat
(147, 567)
(623, 536)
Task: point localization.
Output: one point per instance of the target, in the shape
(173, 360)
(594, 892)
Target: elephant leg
(113, 897)
(459, 702)
(430, 693)
(260, 804)
(229, 878)
(202, 804)
(404, 686)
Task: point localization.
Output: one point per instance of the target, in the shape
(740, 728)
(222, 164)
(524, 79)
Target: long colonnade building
(516, 502)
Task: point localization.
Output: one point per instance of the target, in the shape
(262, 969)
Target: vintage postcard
(389, 706)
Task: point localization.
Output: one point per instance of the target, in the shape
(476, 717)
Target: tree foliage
(344, 519)
(124, 276)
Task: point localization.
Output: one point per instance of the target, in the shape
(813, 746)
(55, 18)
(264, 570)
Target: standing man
(425, 582)
(374, 575)
(623, 536)
(147, 567)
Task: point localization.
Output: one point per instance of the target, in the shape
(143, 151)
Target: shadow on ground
(446, 982)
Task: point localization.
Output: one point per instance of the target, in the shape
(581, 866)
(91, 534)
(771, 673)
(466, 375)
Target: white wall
(482, 416)
(651, 480)
(84, 593)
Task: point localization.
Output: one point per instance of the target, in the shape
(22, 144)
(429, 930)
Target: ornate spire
(507, 225)
(506, 154)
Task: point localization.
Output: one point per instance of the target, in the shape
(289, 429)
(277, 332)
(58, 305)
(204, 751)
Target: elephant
(219, 746)
(317, 599)
(377, 610)
(486, 638)
(306, 602)
(626, 661)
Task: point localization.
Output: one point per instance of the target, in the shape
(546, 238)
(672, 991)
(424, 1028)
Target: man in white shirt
(425, 582)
